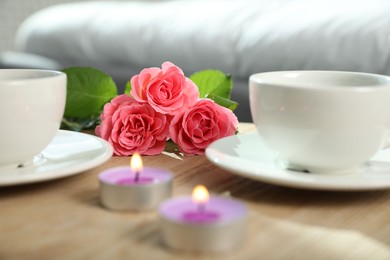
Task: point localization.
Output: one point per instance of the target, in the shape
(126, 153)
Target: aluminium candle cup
(120, 191)
(224, 234)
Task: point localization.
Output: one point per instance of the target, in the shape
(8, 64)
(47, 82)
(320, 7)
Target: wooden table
(63, 219)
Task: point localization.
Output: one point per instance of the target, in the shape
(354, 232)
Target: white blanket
(240, 37)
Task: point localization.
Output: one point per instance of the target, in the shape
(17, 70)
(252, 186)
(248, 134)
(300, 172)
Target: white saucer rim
(271, 176)
(28, 178)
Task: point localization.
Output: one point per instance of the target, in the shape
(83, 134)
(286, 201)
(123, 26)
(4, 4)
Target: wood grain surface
(63, 219)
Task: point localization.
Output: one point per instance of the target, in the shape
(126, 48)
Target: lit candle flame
(136, 165)
(200, 195)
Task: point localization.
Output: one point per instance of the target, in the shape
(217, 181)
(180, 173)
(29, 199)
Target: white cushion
(240, 37)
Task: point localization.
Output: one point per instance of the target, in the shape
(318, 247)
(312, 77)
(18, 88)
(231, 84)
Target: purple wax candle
(200, 209)
(135, 188)
(218, 210)
(125, 176)
(218, 225)
(204, 216)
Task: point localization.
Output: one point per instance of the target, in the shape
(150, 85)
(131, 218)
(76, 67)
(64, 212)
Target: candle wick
(136, 178)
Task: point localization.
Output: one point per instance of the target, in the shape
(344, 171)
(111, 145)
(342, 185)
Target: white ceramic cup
(321, 121)
(32, 104)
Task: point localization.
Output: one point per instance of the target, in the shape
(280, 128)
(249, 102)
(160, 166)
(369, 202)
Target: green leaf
(88, 90)
(215, 85)
(213, 82)
(128, 88)
(76, 124)
(223, 101)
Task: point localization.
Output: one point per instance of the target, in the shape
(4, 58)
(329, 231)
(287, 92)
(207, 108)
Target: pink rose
(167, 90)
(205, 122)
(131, 127)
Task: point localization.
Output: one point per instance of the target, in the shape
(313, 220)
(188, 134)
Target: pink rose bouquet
(164, 103)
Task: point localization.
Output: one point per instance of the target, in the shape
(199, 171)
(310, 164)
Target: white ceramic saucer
(68, 154)
(246, 155)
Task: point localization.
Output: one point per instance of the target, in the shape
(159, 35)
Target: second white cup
(321, 121)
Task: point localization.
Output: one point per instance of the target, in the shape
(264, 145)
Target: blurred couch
(238, 37)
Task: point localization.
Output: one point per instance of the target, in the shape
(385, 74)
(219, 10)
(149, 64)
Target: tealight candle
(202, 223)
(135, 187)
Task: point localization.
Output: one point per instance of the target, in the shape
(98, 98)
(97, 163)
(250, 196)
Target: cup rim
(41, 74)
(377, 80)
